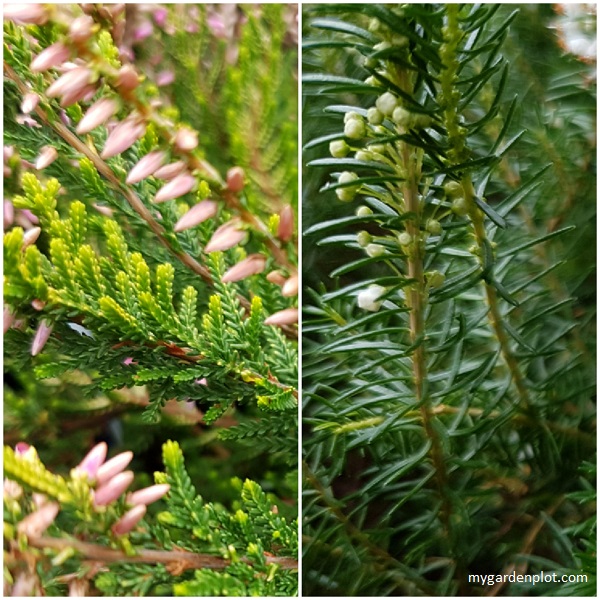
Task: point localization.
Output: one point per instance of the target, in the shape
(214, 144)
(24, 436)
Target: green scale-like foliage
(450, 403)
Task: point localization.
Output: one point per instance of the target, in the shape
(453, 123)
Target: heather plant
(449, 300)
(150, 262)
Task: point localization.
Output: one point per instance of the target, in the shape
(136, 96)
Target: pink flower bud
(30, 101)
(8, 153)
(27, 121)
(25, 14)
(290, 287)
(9, 213)
(186, 139)
(146, 166)
(47, 156)
(7, 318)
(286, 224)
(22, 448)
(170, 171)
(41, 337)
(129, 520)
(235, 179)
(113, 467)
(160, 16)
(72, 82)
(182, 184)
(93, 460)
(143, 31)
(202, 381)
(37, 522)
(31, 236)
(77, 95)
(30, 216)
(217, 26)
(165, 78)
(64, 118)
(127, 78)
(50, 57)
(111, 490)
(123, 136)
(276, 277)
(97, 114)
(81, 29)
(148, 495)
(103, 210)
(287, 316)
(38, 304)
(197, 214)
(129, 361)
(227, 236)
(254, 264)
(26, 584)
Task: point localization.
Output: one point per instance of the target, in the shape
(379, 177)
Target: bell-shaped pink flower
(77, 95)
(37, 522)
(171, 170)
(227, 236)
(30, 101)
(286, 224)
(123, 136)
(51, 57)
(129, 520)
(113, 488)
(81, 29)
(287, 316)
(235, 179)
(97, 114)
(186, 139)
(252, 265)
(46, 157)
(93, 460)
(182, 184)
(290, 287)
(31, 236)
(72, 82)
(276, 277)
(146, 166)
(41, 337)
(197, 214)
(113, 467)
(149, 494)
(26, 14)
(38, 304)
(127, 78)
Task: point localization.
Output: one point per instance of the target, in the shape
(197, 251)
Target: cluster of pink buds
(110, 480)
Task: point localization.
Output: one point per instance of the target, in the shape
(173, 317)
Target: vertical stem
(415, 299)
(495, 316)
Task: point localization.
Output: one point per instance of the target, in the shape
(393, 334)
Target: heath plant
(150, 264)
(449, 259)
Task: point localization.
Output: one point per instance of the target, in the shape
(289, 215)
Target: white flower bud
(352, 116)
(386, 103)
(374, 116)
(355, 129)
(363, 211)
(433, 226)
(374, 250)
(368, 299)
(339, 149)
(404, 238)
(402, 117)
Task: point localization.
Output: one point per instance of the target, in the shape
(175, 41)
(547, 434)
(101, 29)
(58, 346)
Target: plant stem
(495, 316)
(180, 559)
